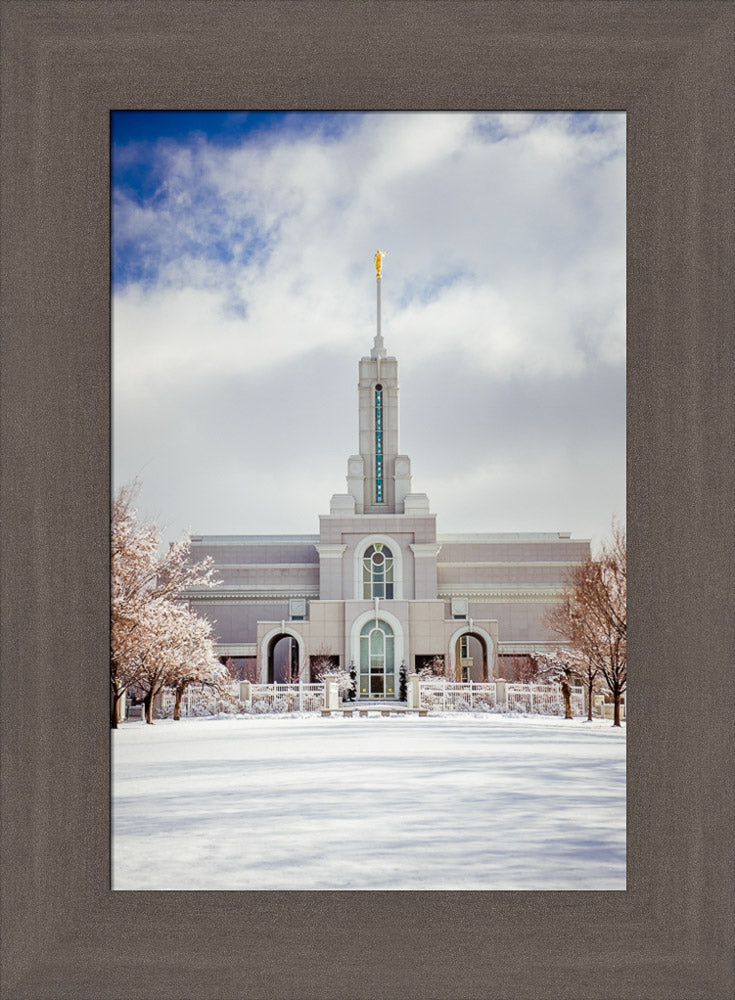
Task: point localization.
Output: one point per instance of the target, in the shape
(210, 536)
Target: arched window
(377, 572)
(377, 660)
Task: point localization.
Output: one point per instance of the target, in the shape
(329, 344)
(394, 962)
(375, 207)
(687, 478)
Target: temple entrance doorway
(377, 662)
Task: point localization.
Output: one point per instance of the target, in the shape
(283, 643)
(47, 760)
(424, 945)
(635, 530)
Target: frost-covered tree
(159, 650)
(437, 668)
(593, 616)
(324, 663)
(192, 660)
(559, 666)
(146, 588)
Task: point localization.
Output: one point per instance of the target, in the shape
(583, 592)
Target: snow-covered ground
(456, 801)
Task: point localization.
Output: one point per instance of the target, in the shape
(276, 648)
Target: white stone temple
(377, 588)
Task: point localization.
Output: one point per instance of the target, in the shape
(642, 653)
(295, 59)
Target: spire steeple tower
(378, 350)
(379, 478)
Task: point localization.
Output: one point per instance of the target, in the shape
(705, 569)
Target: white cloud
(507, 255)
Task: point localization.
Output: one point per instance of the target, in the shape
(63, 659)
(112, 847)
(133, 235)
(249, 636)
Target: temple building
(378, 588)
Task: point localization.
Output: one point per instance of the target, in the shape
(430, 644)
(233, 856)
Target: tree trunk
(567, 695)
(590, 692)
(148, 702)
(177, 704)
(117, 696)
(616, 709)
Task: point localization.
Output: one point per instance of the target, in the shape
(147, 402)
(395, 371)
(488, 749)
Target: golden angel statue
(379, 254)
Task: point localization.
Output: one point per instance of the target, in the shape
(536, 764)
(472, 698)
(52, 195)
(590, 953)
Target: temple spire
(378, 350)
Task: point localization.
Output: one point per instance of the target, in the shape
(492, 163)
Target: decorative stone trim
(333, 551)
(460, 607)
(254, 539)
(380, 513)
(511, 536)
(507, 594)
(424, 549)
(528, 646)
(267, 566)
(236, 649)
(260, 596)
(560, 563)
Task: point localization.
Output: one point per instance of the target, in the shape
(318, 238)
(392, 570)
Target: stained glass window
(379, 444)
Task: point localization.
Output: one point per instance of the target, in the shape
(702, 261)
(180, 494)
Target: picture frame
(65, 933)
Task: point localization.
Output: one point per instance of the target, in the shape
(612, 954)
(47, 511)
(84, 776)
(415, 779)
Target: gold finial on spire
(379, 254)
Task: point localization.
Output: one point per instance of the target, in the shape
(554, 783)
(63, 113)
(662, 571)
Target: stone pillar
(501, 693)
(413, 691)
(330, 572)
(331, 692)
(403, 481)
(246, 693)
(424, 555)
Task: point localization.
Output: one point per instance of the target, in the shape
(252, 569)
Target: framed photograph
(667, 67)
(430, 599)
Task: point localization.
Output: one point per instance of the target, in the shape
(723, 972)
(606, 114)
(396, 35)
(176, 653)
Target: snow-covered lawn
(448, 802)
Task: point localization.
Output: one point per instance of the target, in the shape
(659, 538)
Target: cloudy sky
(244, 296)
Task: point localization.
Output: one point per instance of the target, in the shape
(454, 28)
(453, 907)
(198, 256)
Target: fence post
(501, 691)
(331, 692)
(413, 691)
(530, 694)
(246, 694)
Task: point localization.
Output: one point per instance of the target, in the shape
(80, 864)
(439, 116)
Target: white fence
(263, 698)
(452, 696)
(286, 697)
(540, 699)
(543, 699)
(200, 701)
(436, 695)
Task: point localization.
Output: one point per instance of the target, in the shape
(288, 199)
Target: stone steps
(364, 710)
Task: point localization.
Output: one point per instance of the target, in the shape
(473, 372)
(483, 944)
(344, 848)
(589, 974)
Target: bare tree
(588, 672)
(519, 667)
(593, 617)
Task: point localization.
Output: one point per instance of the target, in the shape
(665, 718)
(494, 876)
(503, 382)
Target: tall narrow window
(378, 443)
(377, 572)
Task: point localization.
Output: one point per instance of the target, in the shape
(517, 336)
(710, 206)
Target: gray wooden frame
(65, 65)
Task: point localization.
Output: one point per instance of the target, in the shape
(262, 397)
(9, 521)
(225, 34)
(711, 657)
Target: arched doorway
(470, 652)
(283, 659)
(377, 660)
